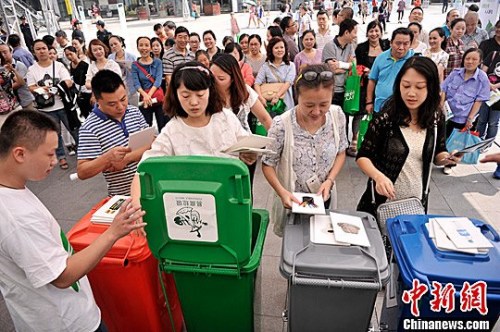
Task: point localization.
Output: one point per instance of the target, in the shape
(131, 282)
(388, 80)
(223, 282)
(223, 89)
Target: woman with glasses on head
(124, 60)
(199, 125)
(255, 58)
(310, 143)
(277, 69)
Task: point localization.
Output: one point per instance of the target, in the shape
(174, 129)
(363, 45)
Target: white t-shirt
(245, 108)
(305, 23)
(179, 139)
(42, 76)
(31, 257)
(110, 65)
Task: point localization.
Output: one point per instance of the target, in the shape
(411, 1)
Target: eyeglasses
(310, 76)
(292, 25)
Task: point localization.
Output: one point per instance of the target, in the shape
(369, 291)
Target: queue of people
(202, 101)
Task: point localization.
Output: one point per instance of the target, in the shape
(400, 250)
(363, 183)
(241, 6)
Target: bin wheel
(284, 315)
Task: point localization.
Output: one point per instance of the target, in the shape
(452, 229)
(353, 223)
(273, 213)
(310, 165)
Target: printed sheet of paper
(141, 138)
(106, 213)
(309, 204)
(463, 233)
(321, 231)
(252, 143)
(349, 229)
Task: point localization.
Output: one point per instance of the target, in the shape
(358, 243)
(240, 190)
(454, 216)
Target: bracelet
(470, 120)
(369, 103)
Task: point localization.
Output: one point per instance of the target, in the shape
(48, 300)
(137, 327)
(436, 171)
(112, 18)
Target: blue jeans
(487, 123)
(60, 116)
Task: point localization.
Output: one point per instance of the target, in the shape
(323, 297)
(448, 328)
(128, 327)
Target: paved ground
(470, 191)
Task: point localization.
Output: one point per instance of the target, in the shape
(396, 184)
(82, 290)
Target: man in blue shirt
(104, 136)
(18, 52)
(386, 67)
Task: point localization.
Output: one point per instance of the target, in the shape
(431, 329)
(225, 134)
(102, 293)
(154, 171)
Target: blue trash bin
(418, 258)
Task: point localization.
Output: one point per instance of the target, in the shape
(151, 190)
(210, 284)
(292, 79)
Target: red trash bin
(125, 283)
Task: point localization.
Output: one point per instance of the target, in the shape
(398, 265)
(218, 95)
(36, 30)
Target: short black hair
(416, 8)
(25, 128)
(61, 33)
(402, 31)
(209, 32)
(49, 40)
(105, 81)
(285, 21)
(194, 34)
(169, 24)
(455, 21)
(157, 26)
(470, 50)
(230, 48)
(347, 25)
(277, 21)
(170, 42)
(418, 25)
(275, 31)
(181, 29)
(322, 12)
(14, 40)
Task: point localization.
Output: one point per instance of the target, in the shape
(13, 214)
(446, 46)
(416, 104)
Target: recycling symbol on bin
(187, 216)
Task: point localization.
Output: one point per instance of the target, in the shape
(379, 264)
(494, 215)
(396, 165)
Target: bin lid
(419, 258)
(321, 261)
(198, 209)
(131, 247)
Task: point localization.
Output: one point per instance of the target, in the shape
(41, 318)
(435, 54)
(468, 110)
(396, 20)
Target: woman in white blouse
(199, 124)
(98, 52)
(418, 46)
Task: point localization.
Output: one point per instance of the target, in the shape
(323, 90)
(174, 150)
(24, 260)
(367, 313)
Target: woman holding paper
(199, 124)
(397, 150)
(310, 143)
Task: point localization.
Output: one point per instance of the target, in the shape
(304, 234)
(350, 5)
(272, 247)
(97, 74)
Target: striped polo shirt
(100, 133)
(172, 58)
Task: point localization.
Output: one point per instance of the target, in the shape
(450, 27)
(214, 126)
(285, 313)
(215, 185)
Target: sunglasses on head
(310, 76)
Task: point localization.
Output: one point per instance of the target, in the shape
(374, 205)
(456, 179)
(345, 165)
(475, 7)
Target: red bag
(159, 95)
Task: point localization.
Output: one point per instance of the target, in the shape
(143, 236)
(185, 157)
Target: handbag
(363, 128)
(269, 90)
(159, 94)
(460, 139)
(412, 205)
(352, 91)
(45, 100)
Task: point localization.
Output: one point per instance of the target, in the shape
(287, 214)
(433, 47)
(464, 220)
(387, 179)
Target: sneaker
(447, 170)
(496, 173)
(71, 150)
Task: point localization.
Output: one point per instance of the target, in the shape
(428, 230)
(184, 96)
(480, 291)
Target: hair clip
(199, 68)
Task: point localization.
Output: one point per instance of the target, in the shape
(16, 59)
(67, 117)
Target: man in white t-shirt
(42, 281)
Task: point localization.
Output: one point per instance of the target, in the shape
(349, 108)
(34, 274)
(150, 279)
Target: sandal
(63, 164)
(352, 152)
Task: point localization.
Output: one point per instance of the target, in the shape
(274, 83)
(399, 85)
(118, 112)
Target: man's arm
(88, 168)
(79, 264)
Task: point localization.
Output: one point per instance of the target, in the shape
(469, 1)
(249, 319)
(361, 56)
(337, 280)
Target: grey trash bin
(331, 288)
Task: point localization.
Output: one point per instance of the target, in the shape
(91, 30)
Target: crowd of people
(290, 86)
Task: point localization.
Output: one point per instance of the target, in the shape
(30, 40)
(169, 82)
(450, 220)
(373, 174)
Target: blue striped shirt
(99, 134)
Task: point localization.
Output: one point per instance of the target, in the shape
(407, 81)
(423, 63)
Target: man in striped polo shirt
(177, 54)
(104, 135)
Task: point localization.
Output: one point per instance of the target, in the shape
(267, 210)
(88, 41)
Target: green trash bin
(202, 229)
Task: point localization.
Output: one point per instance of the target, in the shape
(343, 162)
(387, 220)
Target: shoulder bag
(269, 90)
(159, 95)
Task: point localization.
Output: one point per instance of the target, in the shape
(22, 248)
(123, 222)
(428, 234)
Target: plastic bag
(460, 139)
(363, 128)
(352, 91)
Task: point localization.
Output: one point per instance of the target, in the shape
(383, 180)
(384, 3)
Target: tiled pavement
(470, 191)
